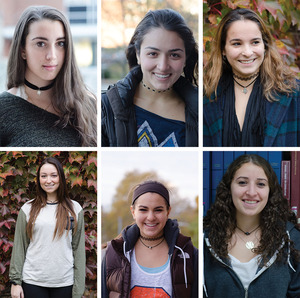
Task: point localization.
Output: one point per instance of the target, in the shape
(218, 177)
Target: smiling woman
(47, 103)
(251, 237)
(251, 96)
(151, 258)
(156, 104)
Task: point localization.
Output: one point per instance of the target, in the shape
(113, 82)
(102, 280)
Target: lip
(247, 61)
(50, 67)
(161, 76)
(150, 225)
(250, 203)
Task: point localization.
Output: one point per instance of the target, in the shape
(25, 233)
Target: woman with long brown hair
(47, 102)
(251, 237)
(48, 258)
(251, 95)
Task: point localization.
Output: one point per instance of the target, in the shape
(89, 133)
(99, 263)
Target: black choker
(39, 89)
(151, 239)
(245, 78)
(247, 233)
(153, 90)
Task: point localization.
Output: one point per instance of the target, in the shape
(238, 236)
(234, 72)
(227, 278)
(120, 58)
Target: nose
(163, 63)
(247, 50)
(48, 179)
(150, 216)
(251, 190)
(51, 53)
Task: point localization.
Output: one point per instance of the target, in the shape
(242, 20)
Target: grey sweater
(23, 124)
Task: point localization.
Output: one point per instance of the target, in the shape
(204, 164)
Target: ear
(23, 54)
(132, 212)
(169, 210)
(138, 58)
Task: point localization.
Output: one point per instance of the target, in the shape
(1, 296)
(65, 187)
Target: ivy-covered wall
(17, 185)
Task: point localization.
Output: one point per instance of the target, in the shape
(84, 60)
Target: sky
(179, 168)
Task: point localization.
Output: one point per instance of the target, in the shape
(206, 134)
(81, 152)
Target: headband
(151, 186)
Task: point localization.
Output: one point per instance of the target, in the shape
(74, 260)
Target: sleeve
(104, 291)
(78, 246)
(21, 242)
(104, 121)
(195, 283)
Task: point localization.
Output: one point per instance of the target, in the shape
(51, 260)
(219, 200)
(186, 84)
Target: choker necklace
(148, 246)
(245, 87)
(151, 239)
(39, 89)
(247, 233)
(153, 90)
(245, 78)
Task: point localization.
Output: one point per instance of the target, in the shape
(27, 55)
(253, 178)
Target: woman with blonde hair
(251, 96)
(47, 103)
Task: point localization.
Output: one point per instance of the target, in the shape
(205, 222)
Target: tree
(17, 186)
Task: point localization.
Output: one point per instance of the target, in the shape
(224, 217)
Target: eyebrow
(141, 206)
(44, 38)
(172, 50)
(242, 177)
(238, 39)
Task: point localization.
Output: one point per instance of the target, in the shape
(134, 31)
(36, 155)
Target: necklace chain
(247, 233)
(249, 244)
(153, 90)
(245, 87)
(152, 239)
(152, 246)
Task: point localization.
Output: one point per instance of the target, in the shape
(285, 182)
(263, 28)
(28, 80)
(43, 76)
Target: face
(49, 178)
(249, 190)
(44, 51)
(150, 214)
(162, 58)
(244, 47)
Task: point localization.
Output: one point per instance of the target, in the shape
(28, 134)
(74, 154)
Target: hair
(276, 76)
(220, 220)
(131, 192)
(65, 208)
(71, 99)
(169, 20)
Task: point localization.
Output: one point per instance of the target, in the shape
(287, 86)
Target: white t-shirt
(150, 282)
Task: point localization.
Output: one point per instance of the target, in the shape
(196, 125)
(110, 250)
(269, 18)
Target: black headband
(151, 186)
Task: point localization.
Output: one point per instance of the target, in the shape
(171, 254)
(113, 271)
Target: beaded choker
(153, 90)
(152, 239)
(245, 78)
(39, 89)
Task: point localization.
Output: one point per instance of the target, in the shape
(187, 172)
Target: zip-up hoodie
(116, 268)
(274, 280)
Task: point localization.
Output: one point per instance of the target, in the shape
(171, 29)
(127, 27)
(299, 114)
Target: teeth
(250, 202)
(247, 61)
(162, 76)
(150, 225)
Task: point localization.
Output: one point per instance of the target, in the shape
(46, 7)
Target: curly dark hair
(170, 20)
(220, 220)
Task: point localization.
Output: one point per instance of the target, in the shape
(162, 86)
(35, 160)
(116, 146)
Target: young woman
(154, 105)
(252, 242)
(151, 258)
(47, 103)
(251, 96)
(48, 258)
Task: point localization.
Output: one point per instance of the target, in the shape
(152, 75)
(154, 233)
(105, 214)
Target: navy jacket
(118, 124)
(282, 121)
(278, 280)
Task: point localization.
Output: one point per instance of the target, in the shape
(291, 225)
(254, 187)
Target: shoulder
(7, 97)
(77, 206)
(27, 207)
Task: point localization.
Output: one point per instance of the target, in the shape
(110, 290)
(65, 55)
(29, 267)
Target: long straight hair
(65, 209)
(71, 99)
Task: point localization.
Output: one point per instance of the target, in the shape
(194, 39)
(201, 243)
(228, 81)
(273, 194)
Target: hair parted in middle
(220, 220)
(275, 75)
(71, 99)
(65, 205)
(169, 20)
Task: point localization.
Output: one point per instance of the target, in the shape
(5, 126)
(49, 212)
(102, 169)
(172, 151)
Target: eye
(242, 182)
(61, 44)
(142, 209)
(41, 44)
(159, 210)
(175, 55)
(152, 54)
(236, 44)
(261, 184)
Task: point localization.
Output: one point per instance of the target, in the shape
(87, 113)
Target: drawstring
(289, 262)
(125, 253)
(184, 265)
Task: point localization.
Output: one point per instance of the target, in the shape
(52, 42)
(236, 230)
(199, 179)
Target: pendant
(245, 90)
(39, 92)
(249, 245)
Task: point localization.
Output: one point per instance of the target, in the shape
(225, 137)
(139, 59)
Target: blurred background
(120, 171)
(82, 15)
(118, 21)
(282, 17)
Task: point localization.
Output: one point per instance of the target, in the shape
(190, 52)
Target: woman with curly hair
(47, 103)
(251, 238)
(48, 257)
(251, 96)
(156, 104)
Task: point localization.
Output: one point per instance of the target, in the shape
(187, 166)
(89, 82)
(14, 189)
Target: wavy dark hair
(220, 220)
(65, 206)
(276, 76)
(71, 99)
(170, 20)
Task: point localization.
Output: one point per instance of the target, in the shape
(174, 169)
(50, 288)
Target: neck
(247, 223)
(51, 197)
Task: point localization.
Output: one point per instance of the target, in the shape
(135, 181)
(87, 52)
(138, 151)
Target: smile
(247, 61)
(250, 202)
(162, 76)
(150, 225)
